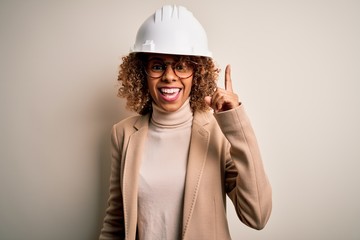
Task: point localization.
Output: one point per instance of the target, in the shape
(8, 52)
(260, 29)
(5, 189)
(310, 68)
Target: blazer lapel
(197, 157)
(132, 164)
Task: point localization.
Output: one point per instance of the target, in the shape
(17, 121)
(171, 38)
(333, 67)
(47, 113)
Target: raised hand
(224, 99)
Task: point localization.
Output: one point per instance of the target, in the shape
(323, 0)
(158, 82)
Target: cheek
(151, 87)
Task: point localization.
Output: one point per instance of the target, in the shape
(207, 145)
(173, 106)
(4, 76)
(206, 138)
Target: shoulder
(124, 129)
(132, 123)
(228, 121)
(129, 121)
(207, 122)
(204, 118)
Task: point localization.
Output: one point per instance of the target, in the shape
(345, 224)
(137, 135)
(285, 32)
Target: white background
(296, 68)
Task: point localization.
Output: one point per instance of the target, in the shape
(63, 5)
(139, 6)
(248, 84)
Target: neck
(180, 117)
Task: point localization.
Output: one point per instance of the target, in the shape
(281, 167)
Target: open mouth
(169, 94)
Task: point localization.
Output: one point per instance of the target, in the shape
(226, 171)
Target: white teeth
(169, 90)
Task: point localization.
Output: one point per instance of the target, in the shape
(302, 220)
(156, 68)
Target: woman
(174, 164)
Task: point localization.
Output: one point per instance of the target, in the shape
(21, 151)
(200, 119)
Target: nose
(169, 74)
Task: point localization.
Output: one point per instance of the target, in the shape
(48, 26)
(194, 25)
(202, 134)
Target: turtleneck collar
(181, 117)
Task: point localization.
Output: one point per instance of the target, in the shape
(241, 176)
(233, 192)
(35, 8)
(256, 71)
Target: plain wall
(295, 66)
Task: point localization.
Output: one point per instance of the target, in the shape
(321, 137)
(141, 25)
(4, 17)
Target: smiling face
(169, 81)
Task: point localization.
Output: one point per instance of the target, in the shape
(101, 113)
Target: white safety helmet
(172, 30)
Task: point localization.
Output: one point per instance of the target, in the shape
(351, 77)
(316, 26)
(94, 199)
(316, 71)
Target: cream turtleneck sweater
(162, 174)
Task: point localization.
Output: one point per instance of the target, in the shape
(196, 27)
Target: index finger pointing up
(228, 82)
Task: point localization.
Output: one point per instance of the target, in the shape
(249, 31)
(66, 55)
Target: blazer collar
(142, 121)
(131, 170)
(197, 158)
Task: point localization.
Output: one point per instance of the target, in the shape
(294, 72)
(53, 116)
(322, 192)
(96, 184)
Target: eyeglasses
(155, 68)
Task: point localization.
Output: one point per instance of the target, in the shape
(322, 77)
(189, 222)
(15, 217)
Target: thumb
(208, 100)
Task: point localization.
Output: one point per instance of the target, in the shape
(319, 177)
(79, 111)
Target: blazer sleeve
(245, 179)
(113, 226)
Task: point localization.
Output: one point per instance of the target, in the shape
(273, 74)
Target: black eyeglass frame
(173, 67)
